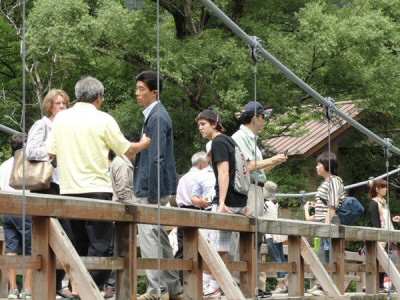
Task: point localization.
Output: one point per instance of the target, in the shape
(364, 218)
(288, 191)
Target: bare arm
(223, 183)
(267, 163)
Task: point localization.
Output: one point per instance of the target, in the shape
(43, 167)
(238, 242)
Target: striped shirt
(332, 192)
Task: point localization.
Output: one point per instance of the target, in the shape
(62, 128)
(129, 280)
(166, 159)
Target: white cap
(208, 146)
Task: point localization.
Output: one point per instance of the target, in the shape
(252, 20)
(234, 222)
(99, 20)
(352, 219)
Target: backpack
(350, 210)
(241, 182)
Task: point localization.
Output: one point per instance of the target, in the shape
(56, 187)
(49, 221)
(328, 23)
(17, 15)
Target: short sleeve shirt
(81, 139)
(246, 140)
(222, 150)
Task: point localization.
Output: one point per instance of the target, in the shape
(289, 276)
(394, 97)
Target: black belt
(261, 184)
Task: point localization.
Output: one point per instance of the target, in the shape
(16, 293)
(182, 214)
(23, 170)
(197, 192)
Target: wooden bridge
(49, 242)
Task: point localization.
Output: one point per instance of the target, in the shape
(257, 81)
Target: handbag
(37, 173)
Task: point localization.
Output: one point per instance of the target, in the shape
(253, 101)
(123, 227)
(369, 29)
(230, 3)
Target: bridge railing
(50, 242)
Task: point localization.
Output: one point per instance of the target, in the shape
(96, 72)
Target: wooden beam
(63, 207)
(17, 261)
(192, 279)
(148, 214)
(296, 277)
(372, 275)
(219, 270)
(125, 246)
(299, 228)
(70, 260)
(247, 246)
(318, 270)
(388, 266)
(338, 259)
(44, 279)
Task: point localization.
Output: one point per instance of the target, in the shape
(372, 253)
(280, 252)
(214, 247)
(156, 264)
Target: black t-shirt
(223, 150)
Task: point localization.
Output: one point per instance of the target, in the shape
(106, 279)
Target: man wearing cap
(252, 119)
(226, 199)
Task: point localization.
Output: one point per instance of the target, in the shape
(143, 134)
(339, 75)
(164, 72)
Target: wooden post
(296, 278)
(248, 248)
(44, 280)
(126, 246)
(388, 265)
(192, 279)
(338, 259)
(3, 272)
(372, 272)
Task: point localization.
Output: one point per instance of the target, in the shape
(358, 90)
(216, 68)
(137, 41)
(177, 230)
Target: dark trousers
(93, 238)
(65, 224)
(179, 235)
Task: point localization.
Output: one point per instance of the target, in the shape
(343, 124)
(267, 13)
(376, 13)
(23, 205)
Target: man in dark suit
(159, 156)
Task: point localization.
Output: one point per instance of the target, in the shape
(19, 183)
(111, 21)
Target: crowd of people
(93, 159)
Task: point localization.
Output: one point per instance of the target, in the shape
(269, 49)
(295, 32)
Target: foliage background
(345, 49)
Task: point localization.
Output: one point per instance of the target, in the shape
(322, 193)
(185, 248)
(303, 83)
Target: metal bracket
(329, 110)
(255, 52)
(387, 150)
(303, 198)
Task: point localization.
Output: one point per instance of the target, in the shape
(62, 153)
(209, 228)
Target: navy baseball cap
(254, 106)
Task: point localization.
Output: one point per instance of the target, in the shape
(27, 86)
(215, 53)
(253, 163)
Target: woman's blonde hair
(49, 100)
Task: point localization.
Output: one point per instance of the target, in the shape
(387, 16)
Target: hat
(252, 106)
(214, 116)
(269, 191)
(208, 146)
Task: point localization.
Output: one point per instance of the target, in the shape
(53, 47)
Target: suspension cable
(158, 156)
(255, 57)
(329, 115)
(388, 154)
(23, 56)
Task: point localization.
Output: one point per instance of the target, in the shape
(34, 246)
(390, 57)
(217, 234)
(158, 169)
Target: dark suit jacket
(146, 164)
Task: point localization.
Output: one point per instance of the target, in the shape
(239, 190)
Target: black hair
(326, 158)
(150, 78)
(131, 136)
(246, 117)
(17, 142)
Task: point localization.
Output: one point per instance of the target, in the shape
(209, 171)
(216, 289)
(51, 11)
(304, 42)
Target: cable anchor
(255, 51)
(387, 149)
(330, 109)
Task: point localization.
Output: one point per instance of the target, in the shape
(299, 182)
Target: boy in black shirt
(227, 200)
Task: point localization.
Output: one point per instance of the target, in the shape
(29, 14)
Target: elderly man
(81, 139)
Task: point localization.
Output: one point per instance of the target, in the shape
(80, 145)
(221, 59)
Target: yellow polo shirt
(81, 139)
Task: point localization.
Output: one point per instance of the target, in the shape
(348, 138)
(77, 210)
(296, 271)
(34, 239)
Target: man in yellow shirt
(80, 140)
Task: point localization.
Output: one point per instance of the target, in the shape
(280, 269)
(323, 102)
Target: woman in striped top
(330, 195)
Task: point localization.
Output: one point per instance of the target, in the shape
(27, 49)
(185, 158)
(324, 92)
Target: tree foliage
(343, 49)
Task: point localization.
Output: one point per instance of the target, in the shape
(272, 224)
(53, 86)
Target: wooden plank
(318, 270)
(338, 260)
(370, 234)
(296, 277)
(354, 256)
(388, 266)
(165, 264)
(70, 260)
(147, 214)
(63, 207)
(17, 261)
(299, 228)
(44, 280)
(125, 246)
(372, 275)
(219, 270)
(247, 248)
(192, 279)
